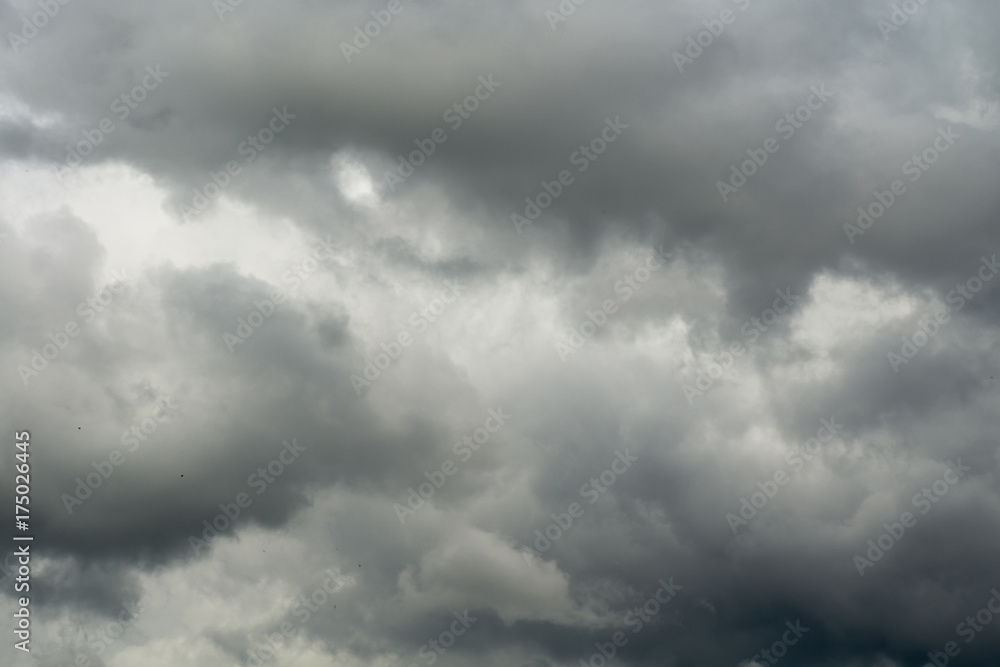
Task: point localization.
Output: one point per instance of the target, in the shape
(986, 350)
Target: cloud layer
(528, 333)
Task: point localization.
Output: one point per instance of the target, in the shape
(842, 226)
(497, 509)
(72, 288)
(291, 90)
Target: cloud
(316, 262)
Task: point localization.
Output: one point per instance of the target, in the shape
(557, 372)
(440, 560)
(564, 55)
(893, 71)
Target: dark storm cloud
(890, 94)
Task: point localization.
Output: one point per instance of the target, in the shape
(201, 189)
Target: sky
(538, 333)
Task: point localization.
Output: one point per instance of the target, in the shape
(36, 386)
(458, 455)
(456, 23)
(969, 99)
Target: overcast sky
(508, 333)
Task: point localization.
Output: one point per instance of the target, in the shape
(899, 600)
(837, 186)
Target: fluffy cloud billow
(538, 333)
